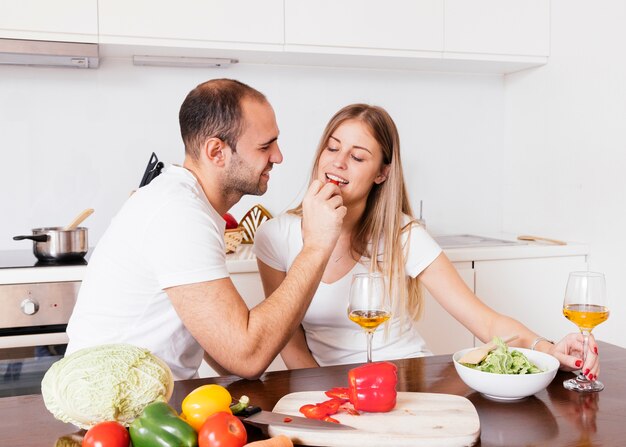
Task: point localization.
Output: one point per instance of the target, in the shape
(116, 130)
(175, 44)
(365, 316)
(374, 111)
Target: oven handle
(22, 341)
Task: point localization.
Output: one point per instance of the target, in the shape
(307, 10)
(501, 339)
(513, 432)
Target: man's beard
(241, 179)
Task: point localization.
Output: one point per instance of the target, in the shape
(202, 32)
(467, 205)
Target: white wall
(72, 139)
(566, 143)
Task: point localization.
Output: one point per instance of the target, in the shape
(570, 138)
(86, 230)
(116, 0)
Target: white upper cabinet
(498, 27)
(496, 36)
(409, 25)
(192, 23)
(59, 20)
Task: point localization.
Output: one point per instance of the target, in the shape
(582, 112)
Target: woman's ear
(213, 151)
(382, 176)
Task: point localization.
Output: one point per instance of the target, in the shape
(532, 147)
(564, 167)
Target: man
(158, 277)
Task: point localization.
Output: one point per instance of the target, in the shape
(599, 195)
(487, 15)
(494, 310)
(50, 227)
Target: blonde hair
(386, 207)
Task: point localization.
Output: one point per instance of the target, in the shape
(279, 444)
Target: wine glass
(369, 304)
(585, 305)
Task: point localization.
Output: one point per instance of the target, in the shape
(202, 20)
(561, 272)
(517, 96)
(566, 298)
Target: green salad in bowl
(503, 361)
(508, 373)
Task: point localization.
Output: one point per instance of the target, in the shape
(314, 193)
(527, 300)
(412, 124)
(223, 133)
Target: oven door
(32, 332)
(24, 363)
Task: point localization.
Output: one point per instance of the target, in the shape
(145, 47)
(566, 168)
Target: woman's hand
(569, 352)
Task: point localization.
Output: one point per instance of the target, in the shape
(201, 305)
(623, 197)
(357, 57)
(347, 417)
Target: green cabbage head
(105, 383)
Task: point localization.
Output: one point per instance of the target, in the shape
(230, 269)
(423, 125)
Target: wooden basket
(251, 221)
(232, 238)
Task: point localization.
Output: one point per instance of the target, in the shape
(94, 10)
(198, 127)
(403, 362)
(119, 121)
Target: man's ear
(213, 150)
(382, 176)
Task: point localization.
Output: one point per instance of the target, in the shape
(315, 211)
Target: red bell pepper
(372, 387)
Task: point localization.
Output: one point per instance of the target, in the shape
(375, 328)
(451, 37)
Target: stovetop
(26, 258)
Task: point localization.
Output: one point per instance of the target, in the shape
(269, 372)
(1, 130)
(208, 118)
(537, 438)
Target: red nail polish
(590, 376)
(578, 363)
(585, 372)
(595, 349)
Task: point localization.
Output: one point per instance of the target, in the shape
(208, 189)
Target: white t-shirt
(166, 234)
(332, 338)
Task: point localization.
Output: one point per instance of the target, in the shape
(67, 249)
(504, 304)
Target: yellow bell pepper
(202, 402)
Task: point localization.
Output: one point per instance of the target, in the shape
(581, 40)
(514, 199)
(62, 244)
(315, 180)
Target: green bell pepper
(159, 426)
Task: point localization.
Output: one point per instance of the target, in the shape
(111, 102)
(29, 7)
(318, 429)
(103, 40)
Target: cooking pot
(58, 244)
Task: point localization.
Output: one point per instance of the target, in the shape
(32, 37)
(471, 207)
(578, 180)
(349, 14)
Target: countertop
(244, 261)
(552, 417)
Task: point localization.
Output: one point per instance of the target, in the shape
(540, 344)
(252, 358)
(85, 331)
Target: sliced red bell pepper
(373, 387)
(313, 411)
(338, 393)
(321, 410)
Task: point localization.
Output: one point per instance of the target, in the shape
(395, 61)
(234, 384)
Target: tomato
(107, 434)
(231, 222)
(222, 430)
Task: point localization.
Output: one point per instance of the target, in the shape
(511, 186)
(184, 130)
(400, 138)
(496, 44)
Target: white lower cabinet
(528, 289)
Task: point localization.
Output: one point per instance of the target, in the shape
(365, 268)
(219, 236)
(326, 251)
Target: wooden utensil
(540, 239)
(419, 419)
(78, 219)
(475, 356)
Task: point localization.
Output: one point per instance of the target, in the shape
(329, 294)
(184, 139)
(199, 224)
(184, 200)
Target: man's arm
(296, 353)
(246, 341)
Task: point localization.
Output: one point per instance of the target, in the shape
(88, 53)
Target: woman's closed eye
(355, 158)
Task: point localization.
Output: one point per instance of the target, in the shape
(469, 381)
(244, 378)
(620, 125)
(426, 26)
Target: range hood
(54, 54)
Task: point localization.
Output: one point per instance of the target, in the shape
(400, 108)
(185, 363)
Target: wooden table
(553, 417)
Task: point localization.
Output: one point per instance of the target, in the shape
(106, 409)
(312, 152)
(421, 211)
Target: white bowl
(509, 386)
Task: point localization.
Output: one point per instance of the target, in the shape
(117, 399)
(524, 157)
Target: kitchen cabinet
(531, 290)
(412, 25)
(60, 20)
(523, 280)
(244, 24)
(435, 35)
(454, 35)
(498, 27)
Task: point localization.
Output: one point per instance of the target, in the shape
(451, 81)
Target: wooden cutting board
(419, 419)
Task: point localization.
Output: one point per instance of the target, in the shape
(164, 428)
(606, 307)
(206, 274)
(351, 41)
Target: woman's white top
(332, 337)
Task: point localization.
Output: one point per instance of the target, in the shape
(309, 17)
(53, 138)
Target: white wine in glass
(585, 305)
(369, 304)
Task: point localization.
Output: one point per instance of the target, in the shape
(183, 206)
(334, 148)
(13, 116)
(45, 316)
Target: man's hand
(322, 216)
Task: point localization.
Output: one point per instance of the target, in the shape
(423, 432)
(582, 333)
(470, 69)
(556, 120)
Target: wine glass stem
(581, 377)
(369, 335)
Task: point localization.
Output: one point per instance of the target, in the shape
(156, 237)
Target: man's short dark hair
(213, 109)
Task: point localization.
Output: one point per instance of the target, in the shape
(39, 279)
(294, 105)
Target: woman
(360, 152)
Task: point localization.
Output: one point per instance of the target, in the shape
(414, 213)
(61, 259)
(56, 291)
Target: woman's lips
(336, 179)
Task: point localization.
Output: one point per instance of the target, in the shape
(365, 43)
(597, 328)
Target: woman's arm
(296, 352)
(448, 288)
